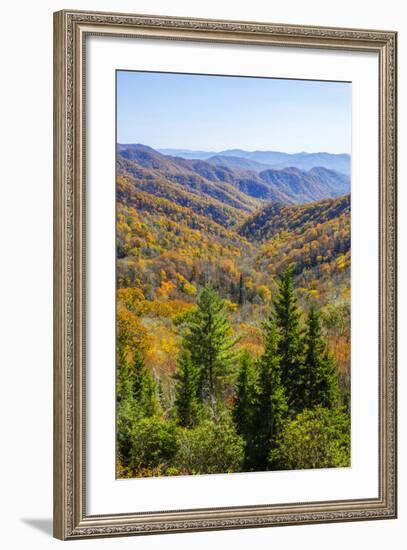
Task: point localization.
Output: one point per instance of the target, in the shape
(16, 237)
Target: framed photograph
(225, 274)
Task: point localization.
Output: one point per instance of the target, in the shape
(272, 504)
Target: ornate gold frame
(70, 31)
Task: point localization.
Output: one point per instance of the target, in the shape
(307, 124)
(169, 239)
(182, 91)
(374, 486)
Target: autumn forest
(233, 315)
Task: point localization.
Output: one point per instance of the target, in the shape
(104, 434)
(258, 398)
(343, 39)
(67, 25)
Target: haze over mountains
(260, 160)
(218, 189)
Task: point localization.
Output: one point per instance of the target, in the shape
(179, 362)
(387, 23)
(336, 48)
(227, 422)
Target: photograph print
(233, 267)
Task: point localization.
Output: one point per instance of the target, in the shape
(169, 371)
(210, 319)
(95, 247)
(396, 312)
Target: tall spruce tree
(208, 338)
(287, 318)
(123, 379)
(319, 367)
(139, 374)
(244, 409)
(144, 389)
(186, 401)
(271, 409)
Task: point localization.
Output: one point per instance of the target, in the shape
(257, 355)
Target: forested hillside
(210, 262)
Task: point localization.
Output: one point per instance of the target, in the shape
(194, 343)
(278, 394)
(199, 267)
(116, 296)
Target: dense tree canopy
(231, 411)
(233, 318)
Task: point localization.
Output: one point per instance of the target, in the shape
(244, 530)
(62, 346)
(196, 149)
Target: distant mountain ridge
(236, 187)
(340, 162)
(238, 163)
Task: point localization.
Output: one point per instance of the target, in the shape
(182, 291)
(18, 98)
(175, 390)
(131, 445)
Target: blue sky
(213, 113)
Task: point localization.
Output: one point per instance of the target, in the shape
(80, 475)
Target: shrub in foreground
(317, 438)
(213, 447)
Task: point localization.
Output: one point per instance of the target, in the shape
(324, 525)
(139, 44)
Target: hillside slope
(316, 184)
(276, 217)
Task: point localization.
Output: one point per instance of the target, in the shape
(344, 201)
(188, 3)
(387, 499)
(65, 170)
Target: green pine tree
(123, 380)
(287, 317)
(139, 375)
(319, 367)
(144, 388)
(208, 338)
(244, 408)
(271, 409)
(186, 401)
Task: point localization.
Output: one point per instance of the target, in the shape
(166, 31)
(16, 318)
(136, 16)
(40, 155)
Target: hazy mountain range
(260, 160)
(217, 190)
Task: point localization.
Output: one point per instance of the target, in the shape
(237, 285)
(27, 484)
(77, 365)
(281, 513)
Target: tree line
(231, 411)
